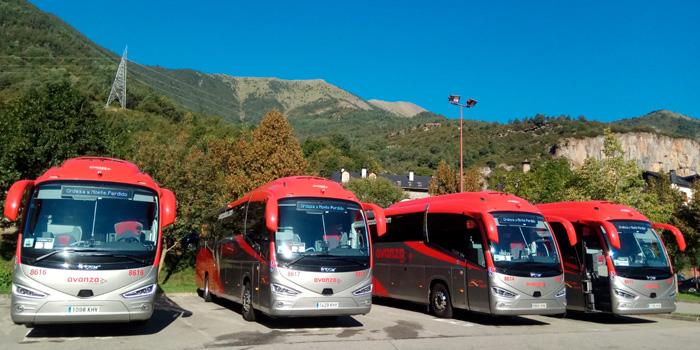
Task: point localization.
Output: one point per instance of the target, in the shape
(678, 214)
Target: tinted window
(403, 228)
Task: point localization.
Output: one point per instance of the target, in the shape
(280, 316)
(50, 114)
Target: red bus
(296, 246)
(488, 252)
(89, 243)
(619, 264)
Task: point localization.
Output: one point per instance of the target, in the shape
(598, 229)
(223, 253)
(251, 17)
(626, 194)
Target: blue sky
(604, 60)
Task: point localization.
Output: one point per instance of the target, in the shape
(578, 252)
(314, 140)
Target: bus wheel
(206, 294)
(247, 300)
(440, 304)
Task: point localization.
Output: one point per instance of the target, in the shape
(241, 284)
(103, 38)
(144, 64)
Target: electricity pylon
(119, 86)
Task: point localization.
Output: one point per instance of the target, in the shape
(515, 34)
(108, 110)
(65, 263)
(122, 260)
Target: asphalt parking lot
(185, 321)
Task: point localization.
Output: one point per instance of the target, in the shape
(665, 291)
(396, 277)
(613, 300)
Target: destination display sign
(321, 206)
(104, 192)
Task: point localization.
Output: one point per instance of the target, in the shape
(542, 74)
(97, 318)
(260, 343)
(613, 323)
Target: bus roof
(298, 186)
(98, 169)
(591, 210)
(485, 201)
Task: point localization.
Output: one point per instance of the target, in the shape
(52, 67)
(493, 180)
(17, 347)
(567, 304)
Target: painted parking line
(454, 322)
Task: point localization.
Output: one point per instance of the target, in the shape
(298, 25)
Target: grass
(686, 296)
(178, 282)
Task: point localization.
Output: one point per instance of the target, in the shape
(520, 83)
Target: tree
(611, 178)
(444, 181)
(380, 191)
(184, 170)
(44, 128)
(274, 151)
(472, 180)
(685, 216)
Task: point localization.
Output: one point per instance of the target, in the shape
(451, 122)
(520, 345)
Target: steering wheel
(343, 246)
(310, 249)
(128, 240)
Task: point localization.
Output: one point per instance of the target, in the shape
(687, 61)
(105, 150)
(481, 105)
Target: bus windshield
(525, 246)
(321, 228)
(641, 253)
(90, 223)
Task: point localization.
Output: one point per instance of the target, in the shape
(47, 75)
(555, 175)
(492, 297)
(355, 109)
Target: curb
(695, 318)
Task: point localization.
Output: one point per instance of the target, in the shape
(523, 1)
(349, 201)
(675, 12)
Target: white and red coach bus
(296, 246)
(89, 243)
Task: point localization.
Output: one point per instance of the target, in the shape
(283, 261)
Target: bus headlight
(364, 290)
(622, 293)
(503, 293)
(562, 293)
(282, 290)
(22, 291)
(141, 292)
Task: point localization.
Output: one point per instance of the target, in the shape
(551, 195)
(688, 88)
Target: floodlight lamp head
(471, 103)
(454, 99)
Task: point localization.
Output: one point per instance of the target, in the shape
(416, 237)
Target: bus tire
(206, 293)
(440, 303)
(247, 303)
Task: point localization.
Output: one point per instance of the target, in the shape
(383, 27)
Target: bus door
(595, 279)
(259, 236)
(477, 278)
(573, 267)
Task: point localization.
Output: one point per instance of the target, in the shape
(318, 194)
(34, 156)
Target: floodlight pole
(454, 99)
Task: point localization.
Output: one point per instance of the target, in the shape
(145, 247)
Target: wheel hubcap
(246, 300)
(440, 301)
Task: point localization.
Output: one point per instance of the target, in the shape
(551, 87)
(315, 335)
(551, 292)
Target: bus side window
(447, 231)
(568, 251)
(475, 248)
(255, 227)
(403, 228)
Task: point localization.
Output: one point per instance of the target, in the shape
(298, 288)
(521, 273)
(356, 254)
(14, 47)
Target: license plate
(538, 305)
(327, 305)
(83, 309)
(654, 306)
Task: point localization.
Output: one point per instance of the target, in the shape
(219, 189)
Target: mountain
(404, 109)
(38, 47)
(666, 122)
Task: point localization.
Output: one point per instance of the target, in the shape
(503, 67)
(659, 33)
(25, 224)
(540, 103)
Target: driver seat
(128, 229)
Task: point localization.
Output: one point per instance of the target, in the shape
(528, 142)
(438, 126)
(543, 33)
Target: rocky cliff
(651, 151)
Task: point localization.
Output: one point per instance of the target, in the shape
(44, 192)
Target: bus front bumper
(528, 306)
(32, 311)
(320, 306)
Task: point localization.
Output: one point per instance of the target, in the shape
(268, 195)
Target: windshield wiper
(36, 260)
(345, 259)
(295, 260)
(122, 256)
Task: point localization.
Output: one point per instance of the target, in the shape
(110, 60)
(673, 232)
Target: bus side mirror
(271, 210)
(567, 226)
(168, 207)
(379, 217)
(14, 198)
(490, 226)
(676, 232)
(612, 234)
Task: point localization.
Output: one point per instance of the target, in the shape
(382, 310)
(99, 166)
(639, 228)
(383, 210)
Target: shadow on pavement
(463, 315)
(605, 318)
(166, 312)
(293, 322)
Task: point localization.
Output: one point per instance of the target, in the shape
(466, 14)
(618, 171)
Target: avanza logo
(327, 280)
(393, 254)
(534, 284)
(93, 280)
(651, 286)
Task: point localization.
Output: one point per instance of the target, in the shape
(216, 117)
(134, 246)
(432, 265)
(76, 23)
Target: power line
(178, 89)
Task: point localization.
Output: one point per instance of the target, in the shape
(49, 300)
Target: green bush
(5, 277)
